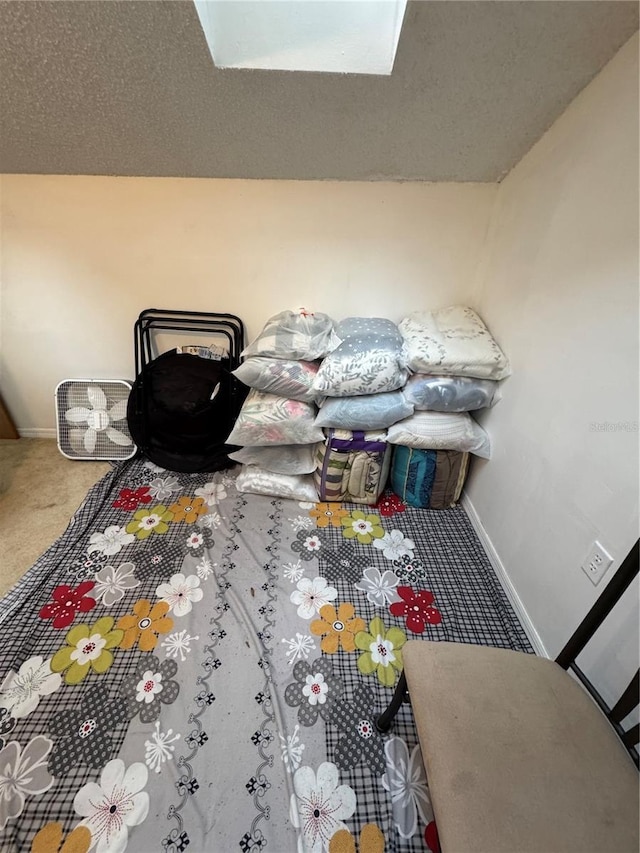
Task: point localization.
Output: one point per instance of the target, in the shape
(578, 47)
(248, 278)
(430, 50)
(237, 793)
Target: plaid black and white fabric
(188, 666)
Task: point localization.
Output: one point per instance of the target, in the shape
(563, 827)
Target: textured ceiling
(129, 88)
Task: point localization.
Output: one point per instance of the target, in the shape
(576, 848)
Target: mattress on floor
(190, 668)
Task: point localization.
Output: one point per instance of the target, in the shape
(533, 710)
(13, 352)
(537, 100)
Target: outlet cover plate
(596, 563)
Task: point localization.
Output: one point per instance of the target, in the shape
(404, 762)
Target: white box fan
(91, 417)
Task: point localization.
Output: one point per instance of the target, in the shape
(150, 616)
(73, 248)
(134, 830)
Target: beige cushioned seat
(518, 756)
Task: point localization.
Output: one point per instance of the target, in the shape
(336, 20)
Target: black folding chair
(183, 406)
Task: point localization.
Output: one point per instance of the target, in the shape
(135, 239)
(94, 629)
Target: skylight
(335, 36)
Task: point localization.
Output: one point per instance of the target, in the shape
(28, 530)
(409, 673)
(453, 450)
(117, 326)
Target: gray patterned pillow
(369, 360)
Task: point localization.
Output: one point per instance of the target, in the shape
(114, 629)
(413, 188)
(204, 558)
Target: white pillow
(282, 459)
(269, 419)
(257, 481)
(370, 359)
(441, 431)
(286, 377)
(370, 411)
(453, 342)
(295, 335)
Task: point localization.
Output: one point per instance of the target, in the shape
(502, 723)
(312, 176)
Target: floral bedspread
(190, 667)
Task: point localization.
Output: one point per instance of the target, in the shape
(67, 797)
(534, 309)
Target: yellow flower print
(88, 648)
(361, 526)
(382, 651)
(337, 628)
(145, 625)
(371, 840)
(328, 514)
(147, 521)
(188, 509)
(49, 840)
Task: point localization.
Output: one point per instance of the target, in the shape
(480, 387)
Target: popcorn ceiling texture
(129, 88)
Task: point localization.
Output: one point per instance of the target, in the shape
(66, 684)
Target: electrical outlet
(596, 563)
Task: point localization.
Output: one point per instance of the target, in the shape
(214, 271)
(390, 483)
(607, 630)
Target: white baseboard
(37, 433)
(503, 577)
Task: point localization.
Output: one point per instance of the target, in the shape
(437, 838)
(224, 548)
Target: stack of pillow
(361, 377)
(456, 366)
(276, 426)
(410, 385)
(361, 381)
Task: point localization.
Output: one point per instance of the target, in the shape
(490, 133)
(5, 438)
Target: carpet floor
(40, 489)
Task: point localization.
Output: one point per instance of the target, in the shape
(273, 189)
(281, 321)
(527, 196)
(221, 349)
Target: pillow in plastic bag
(450, 393)
(370, 411)
(295, 335)
(441, 431)
(453, 342)
(370, 359)
(270, 419)
(257, 481)
(282, 459)
(285, 377)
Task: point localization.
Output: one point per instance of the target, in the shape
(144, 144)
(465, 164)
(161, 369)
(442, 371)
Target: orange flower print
(50, 840)
(188, 509)
(337, 628)
(328, 515)
(145, 625)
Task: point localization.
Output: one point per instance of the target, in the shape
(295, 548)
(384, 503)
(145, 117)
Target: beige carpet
(40, 489)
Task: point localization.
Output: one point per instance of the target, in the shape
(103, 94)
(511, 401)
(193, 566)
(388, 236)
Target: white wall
(560, 292)
(82, 256)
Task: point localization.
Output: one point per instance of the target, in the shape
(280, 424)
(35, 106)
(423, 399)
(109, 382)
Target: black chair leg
(383, 723)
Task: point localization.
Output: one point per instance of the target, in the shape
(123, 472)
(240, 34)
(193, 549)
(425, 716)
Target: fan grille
(91, 419)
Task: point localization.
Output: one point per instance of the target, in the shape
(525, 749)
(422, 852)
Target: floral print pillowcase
(369, 360)
(269, 419)
(453, 342)
(284, 377)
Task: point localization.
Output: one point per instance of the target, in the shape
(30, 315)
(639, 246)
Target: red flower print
(389, 504)
(431, 837)
(67, 601)
(130, 499)
(417, 608)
